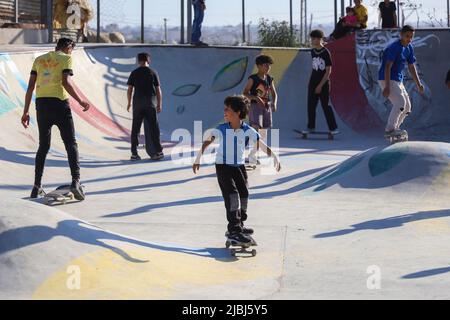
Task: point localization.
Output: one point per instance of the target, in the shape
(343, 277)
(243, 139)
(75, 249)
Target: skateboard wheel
(253, 252)
(233, 252)
(227, 244)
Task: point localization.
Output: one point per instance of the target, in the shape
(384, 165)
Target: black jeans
(313, 100)
(233, 182)
(139, 114)
(50, 112)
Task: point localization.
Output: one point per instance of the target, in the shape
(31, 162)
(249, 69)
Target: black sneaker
(158, 156)
(240, 239)
(77, 190)
(36, 192)
(200, 44)
(135, 157)
(247, 231)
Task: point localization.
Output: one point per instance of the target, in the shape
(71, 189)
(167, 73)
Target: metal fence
(241, 17)
(236, 23)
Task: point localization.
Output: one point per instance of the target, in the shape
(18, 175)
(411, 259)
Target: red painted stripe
(98, 119)
(349, 99)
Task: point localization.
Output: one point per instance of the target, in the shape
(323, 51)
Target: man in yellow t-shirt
(361, 13)
(50, 76)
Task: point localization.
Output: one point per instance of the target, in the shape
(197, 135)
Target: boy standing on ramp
(259, 89)
(147, 102)
(234, 135)
(390, 76)
(50, 76)
(319, 83)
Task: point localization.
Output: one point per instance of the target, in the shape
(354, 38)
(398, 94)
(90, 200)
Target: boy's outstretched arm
(206, 143)
(28, 97)
(267, 150)
(413, 71)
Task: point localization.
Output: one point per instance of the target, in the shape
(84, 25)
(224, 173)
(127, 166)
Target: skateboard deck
(236, 248)
(305, 134)
(60, 195)
(149, 147)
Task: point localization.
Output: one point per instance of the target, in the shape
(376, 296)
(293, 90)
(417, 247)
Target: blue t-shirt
(232, 143)
(400, 55)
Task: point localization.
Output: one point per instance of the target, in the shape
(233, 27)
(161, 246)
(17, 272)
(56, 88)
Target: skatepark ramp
(147, 228)
(404, 170)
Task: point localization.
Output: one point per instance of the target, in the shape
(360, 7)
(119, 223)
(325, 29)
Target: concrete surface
(340, 216)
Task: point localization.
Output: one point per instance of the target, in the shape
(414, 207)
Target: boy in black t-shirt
(319, 83)
(261, 91)
(147, 102)
(388, 17)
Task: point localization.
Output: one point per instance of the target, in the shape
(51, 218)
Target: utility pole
(182, 23)
(98, 21)
(249, 33)
(335, 12)
(50, 20)
(306, 21)
(165, 30)
(448, 13)
(301, 20)
(243, 21)
(142, 21)
(189, 21)
(342, 8)
(291, 23)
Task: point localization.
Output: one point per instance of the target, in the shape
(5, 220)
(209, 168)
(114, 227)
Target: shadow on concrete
(146, 187)
(387, 223)
(22, 157)
(85, 233)
(427, 273)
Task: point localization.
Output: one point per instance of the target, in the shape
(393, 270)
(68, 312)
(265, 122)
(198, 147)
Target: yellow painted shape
(166, 275)
(283, 59)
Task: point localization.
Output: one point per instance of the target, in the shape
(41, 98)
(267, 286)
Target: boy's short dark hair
(238, 103)
(350, 9)
(143, 57)
(317, 34)
(407, 28)
(64, 43)
(263, 59)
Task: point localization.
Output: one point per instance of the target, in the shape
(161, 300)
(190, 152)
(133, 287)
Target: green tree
(276, 34)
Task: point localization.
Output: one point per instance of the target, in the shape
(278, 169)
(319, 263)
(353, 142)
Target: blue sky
(228, 12)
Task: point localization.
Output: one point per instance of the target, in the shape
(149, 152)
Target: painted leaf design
(230, 75)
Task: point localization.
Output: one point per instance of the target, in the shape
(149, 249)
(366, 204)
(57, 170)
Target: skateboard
(397, 138)
(149, 147)
(60, 195)
(250, 167)
(305, 134)
(237, 247)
